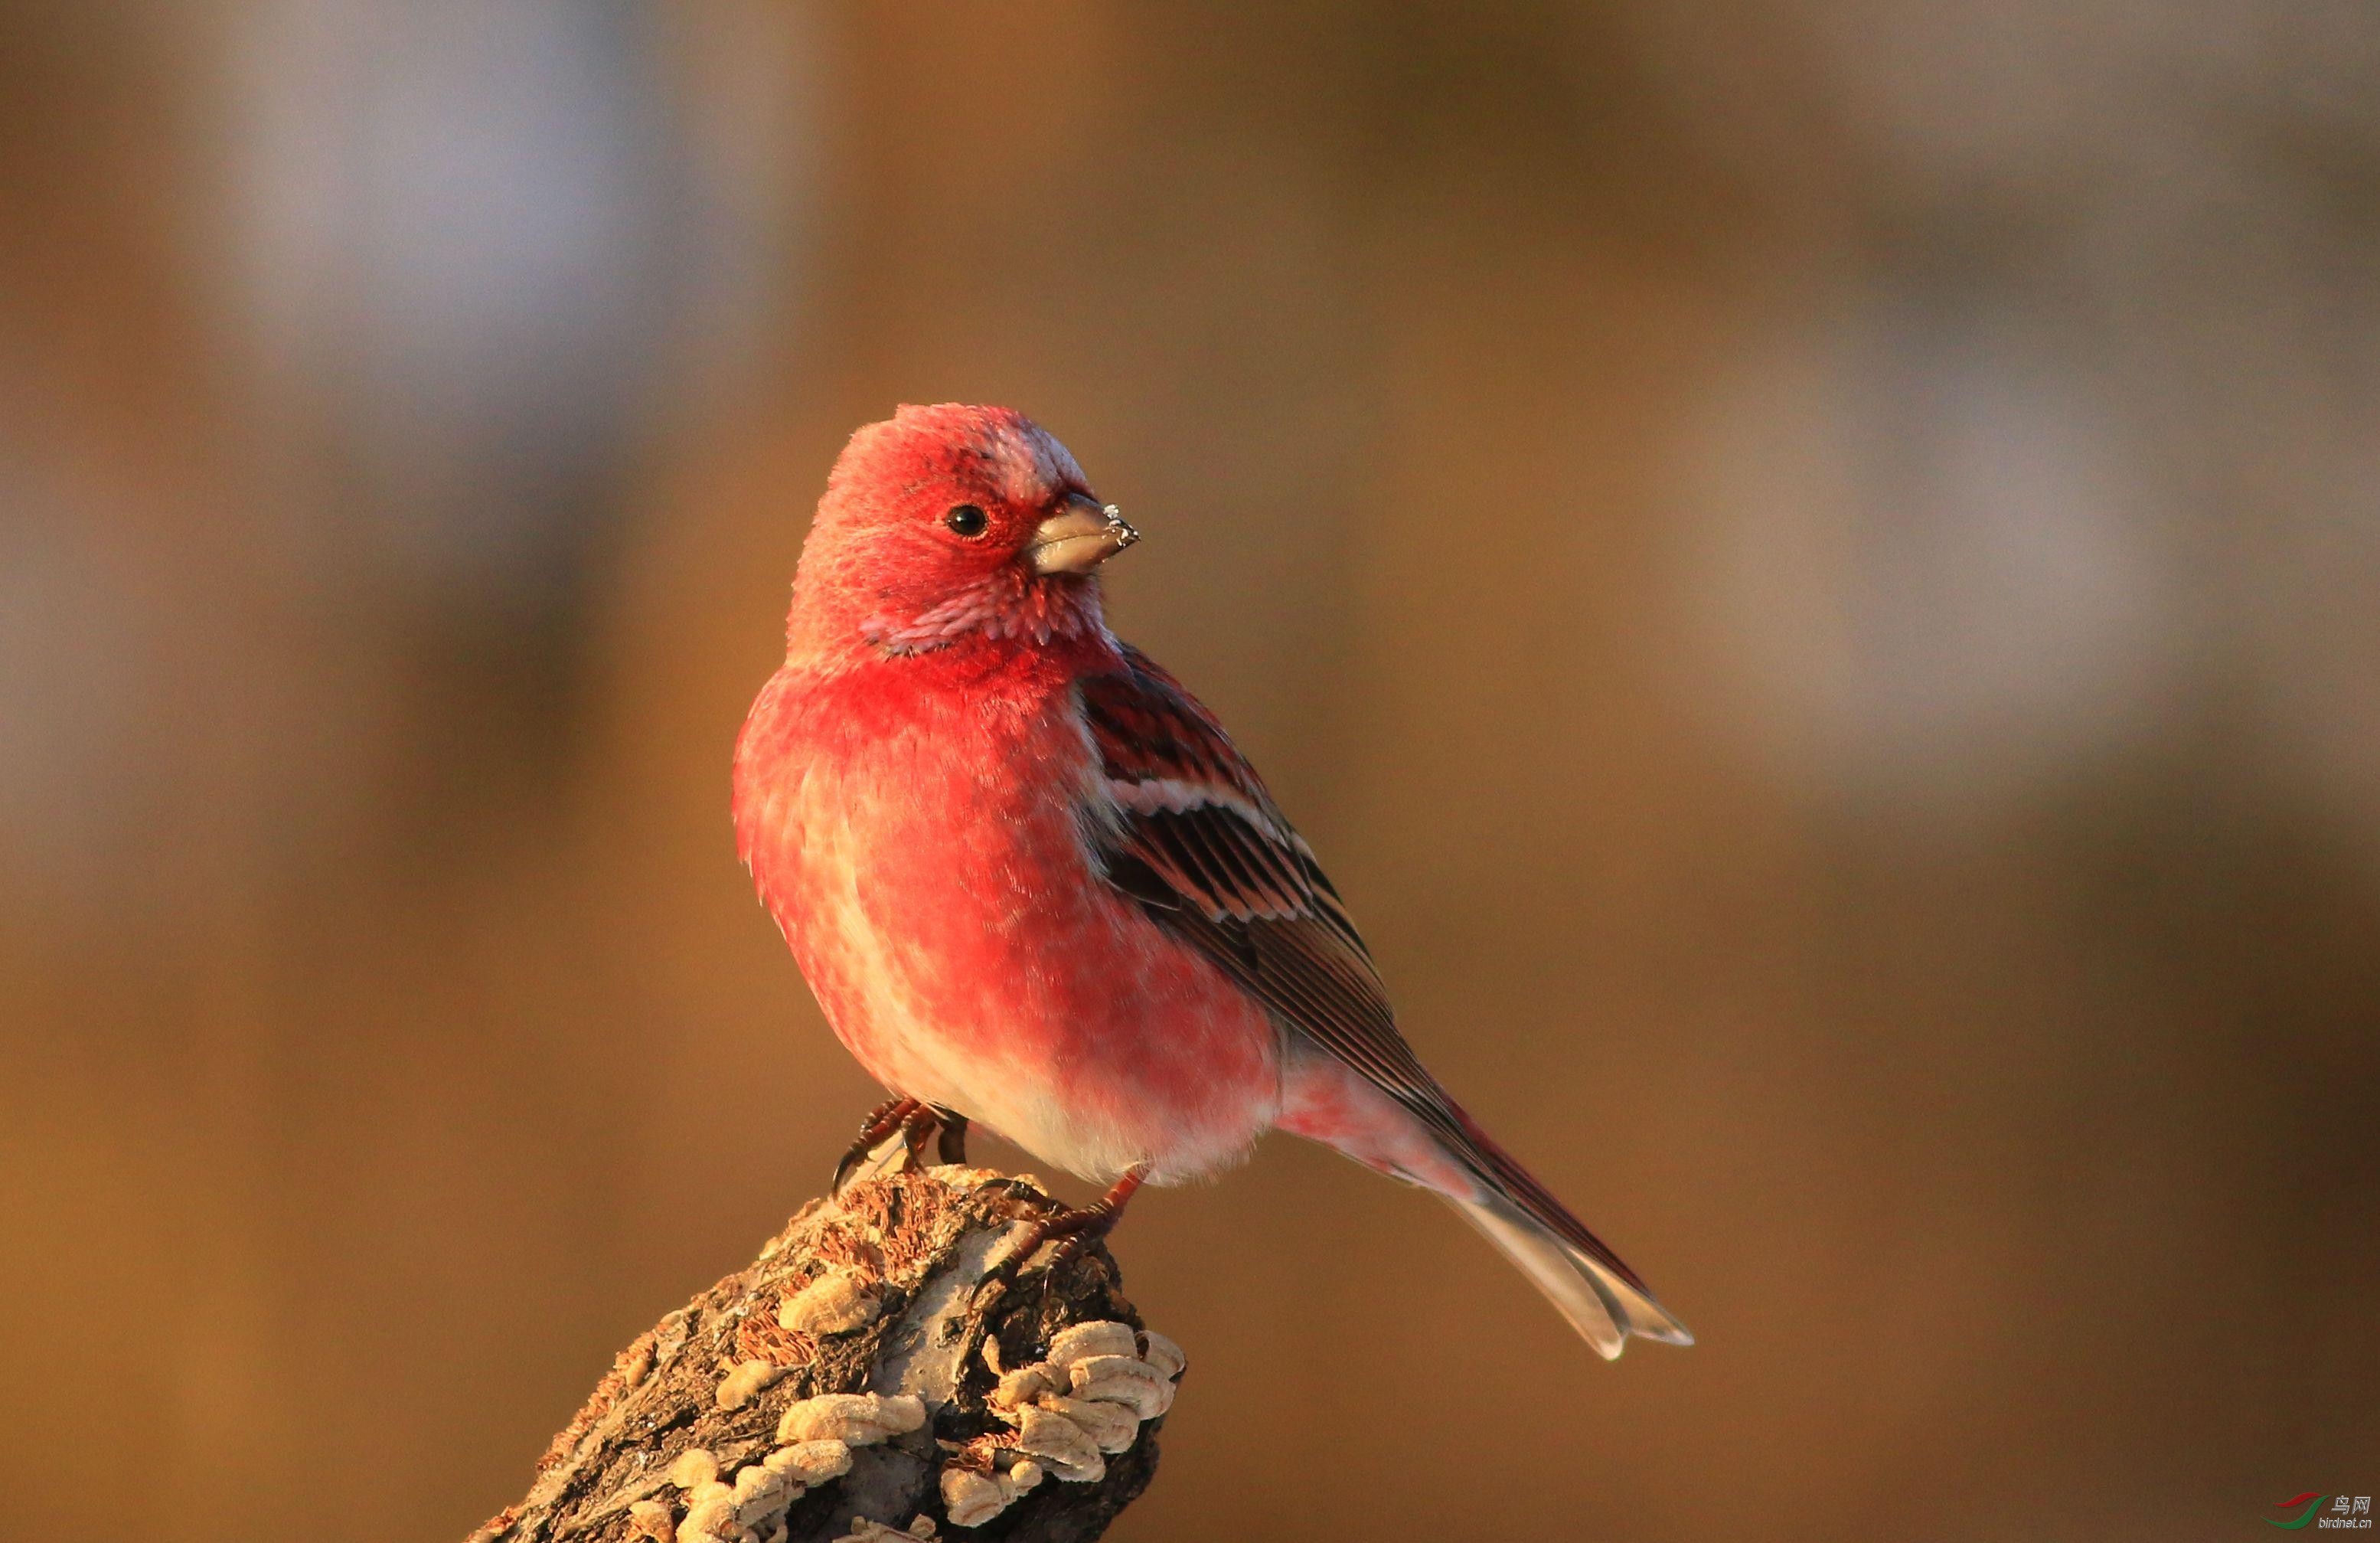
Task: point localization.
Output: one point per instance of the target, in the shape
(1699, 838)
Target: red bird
(1033, 883)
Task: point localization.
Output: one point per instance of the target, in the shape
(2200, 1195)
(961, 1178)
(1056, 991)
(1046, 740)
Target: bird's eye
(967, 520)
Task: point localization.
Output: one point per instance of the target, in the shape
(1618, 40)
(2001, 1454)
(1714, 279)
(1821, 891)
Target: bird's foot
(912, 1121)
(1070, 1228)
(890, 1116)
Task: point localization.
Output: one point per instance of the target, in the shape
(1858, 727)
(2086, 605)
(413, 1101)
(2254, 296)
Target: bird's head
(952, 526)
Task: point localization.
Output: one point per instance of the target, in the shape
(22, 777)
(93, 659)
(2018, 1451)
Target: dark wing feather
(1208, 855)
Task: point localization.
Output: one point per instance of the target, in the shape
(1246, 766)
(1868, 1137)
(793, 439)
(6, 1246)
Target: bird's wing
(1207, 853)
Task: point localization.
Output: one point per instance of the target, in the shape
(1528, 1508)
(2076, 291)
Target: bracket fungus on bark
(1070, 1410)
(871, 1377)
(836, 1303)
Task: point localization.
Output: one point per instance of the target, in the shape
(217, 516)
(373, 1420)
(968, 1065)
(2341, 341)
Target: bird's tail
(1591, 1286)
(1426, 1140)
(1602, 1305)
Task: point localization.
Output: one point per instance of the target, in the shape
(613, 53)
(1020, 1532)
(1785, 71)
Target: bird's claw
(1071, 1227)
(914, 1130)
(889, 1117)
(912, 1120)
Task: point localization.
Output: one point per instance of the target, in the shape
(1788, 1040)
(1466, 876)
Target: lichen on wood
(853, 1374)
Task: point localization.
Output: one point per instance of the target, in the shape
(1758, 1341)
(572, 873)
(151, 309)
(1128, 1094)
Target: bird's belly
(969, 956)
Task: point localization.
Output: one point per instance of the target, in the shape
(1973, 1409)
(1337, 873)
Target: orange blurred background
(1814, 570)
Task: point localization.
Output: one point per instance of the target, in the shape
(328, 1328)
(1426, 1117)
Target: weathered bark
(910, 1253)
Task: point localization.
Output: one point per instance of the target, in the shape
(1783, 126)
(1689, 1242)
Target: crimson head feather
(947, 525)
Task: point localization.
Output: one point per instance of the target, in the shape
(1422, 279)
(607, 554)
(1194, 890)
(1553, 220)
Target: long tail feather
(1602, 1305)
(1428, 1141)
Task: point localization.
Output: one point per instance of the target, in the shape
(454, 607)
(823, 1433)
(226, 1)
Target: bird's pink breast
(925, 853)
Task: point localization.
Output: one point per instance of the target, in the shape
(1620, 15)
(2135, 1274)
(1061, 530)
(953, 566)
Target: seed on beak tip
(1079, 538)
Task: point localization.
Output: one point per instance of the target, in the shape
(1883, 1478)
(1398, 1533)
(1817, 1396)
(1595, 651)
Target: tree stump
(874, 1374)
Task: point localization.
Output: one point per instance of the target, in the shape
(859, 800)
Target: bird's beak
(1079, 538)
